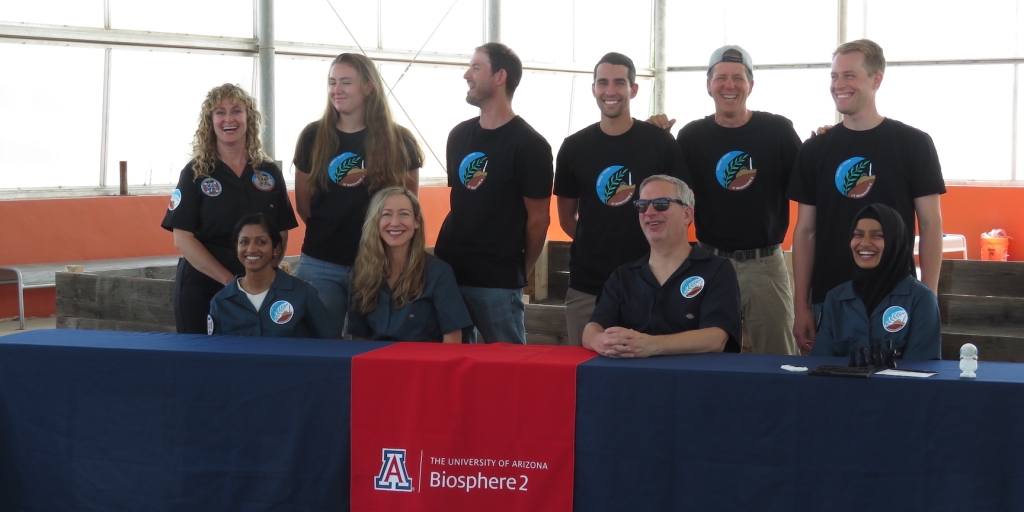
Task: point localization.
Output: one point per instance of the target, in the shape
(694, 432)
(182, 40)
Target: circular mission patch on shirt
(175, 200)
(855, 177)
(263, 181)
(281, 312)
(473, 170)
(895, 318)
(211, 187)
(615, 185)
(691, 286)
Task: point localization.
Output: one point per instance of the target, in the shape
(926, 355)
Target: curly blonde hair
(372, 266)
(204, 142)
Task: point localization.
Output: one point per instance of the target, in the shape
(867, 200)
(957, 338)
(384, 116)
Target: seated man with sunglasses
(676, 300)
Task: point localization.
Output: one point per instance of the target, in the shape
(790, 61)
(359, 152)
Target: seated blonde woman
(398, 291)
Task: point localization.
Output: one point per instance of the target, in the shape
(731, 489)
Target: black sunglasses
(660, 204)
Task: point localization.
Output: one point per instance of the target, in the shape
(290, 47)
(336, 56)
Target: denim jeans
(497, 313)
(330, 281)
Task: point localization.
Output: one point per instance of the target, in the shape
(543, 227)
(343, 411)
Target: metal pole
(266, 46)
(493, 21)
(841, 35)
(659, 64)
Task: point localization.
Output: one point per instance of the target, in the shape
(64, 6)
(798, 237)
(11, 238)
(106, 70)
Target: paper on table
(789, 368)
(906, 373)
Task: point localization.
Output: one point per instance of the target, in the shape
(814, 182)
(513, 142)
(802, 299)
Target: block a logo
(393, 474)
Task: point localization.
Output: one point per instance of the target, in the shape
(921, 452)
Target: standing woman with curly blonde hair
(399, 292)
(354, 150)
(228, 178)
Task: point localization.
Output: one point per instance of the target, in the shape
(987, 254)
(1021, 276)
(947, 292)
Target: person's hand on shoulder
(822, 130)
(662, 121)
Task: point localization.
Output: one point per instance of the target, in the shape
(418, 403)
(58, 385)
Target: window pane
(434, 98)
(155, 98)
(630, 35)
(50, 139)
(78, 13)
(313, 21)
(407, 25)
(301, 97)
(779, 32)
(911, 30)
(973, 132)
(520, 26)
(800, 95)
(229, 18)
(542, 99)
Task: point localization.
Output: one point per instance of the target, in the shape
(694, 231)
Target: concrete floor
(10, 325)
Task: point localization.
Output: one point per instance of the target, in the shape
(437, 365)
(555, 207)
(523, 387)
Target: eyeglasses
(660, 204)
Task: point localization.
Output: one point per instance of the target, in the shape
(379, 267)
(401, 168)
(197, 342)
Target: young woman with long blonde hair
(354, 150)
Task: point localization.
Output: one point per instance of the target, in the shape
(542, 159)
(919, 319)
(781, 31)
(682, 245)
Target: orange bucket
(995, 249)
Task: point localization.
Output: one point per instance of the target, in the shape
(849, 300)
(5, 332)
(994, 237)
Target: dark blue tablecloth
(735, 432)
(94, 420)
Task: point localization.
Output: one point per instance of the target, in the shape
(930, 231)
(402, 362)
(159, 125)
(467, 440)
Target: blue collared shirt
(909, 316)
(436, 312)
(291, 309)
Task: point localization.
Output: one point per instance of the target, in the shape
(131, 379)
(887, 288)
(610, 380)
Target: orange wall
(54, 230)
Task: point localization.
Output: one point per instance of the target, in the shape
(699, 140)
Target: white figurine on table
(968, 361)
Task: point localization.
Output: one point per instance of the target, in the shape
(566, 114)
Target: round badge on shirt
(691, 286)
(895, 318)
(175, 200)
(281, 312)
(209, 324)
(347, 169)
(473, 170)
(211, 187)
(615, 185)
(855, 177)
(735, 170)
(263, 181)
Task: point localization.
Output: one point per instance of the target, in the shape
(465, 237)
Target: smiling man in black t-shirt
(865, 159)
(499, 171)
(741, 161)
(596, 174)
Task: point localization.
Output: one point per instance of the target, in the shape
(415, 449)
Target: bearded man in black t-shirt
(865, 159)
(596, 174)
(499, 171)
(740, 162)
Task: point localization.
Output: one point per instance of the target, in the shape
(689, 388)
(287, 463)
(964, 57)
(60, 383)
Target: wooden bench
(982, 302)
(43, 275)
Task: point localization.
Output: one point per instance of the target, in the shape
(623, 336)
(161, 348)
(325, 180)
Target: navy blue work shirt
(909, 316)
(437, 311)
(703, 292)
(291, 309)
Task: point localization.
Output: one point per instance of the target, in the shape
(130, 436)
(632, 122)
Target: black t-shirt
(336, 216)
(740, 177)
(844, 170)
(210, 207)
(703, 292)
(604, 172)
(490, 172)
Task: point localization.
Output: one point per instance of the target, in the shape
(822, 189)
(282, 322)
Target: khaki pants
(767, 303)
(578, 308)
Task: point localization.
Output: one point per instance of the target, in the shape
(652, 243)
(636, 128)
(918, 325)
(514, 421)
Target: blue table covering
(95, 420)
(735, 432)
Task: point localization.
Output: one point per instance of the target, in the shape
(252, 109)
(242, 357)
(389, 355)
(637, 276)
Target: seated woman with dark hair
(266, 301)
(884, 301)
(398, 291)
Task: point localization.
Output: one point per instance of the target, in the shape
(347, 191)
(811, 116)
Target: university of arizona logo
(347, 169)
(209, 324)
(263, 181)
(175, 200)
(281, 312)
(615, 185)
(855, 177)
(735, 170)
(691, 286)
(393, 474)
(895, 318)
(473, 170)
(211, 187)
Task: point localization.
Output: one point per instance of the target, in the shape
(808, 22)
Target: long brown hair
(204, 142)
(387, 161)
(372, 265)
